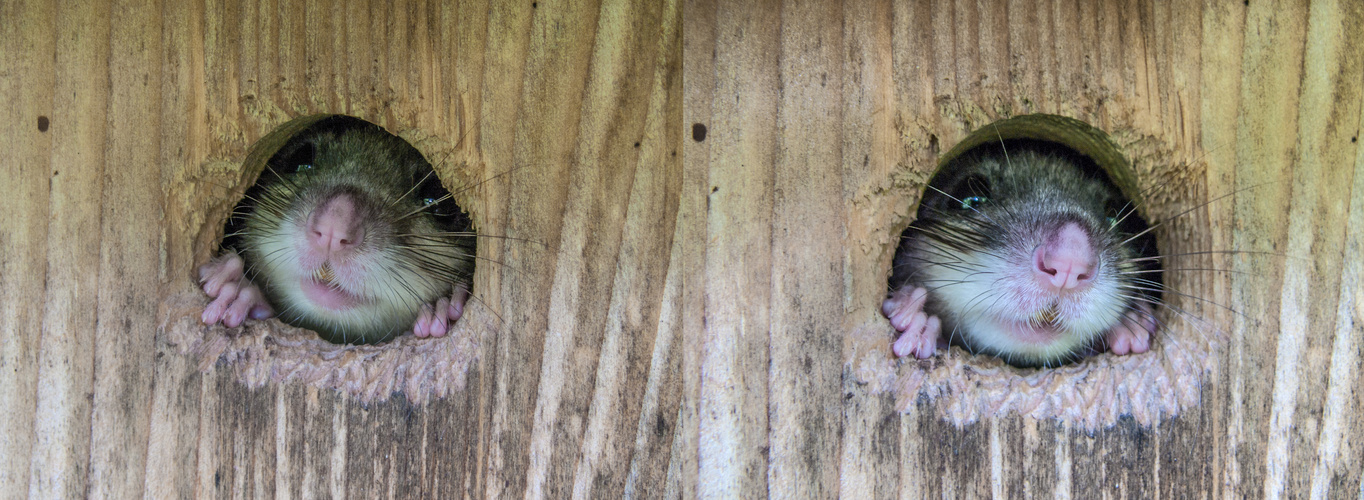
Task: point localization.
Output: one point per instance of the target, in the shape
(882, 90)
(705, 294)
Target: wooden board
(703, 201)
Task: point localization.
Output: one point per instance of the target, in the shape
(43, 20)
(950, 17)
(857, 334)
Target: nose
(335, 226)
(1066, 259)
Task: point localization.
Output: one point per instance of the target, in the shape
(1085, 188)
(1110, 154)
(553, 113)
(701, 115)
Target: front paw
(235, 298)
(437, 319)
(919, 331)
(1132, 334)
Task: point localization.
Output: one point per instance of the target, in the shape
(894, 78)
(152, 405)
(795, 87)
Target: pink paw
(919, 331)
(435, 319)
(234, 297)
(1132, 335)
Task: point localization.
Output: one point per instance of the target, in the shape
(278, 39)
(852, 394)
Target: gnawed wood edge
(270, 352)
(1090, 395)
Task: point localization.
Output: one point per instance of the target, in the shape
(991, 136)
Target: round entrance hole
(351, 240)
(1024, 250)
(1000, 254)
(347, 232)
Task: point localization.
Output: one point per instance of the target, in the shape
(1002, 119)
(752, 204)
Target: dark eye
(426, 202)
(303, 167)
(971, 193)
(1115, 213)
(973, 202)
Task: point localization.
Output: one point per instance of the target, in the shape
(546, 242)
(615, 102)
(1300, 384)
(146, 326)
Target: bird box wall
(539, 106)
(1213, 106)
(690, 210)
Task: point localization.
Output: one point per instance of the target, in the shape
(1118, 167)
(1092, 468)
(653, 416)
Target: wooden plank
(173, 439)
(1330, 103)
(61, 434)
(656, 328)
(129, 251)
(1339, 467)
(1221, 69)
(632, 342)
(690, 242)
(28, 42)
(870, 461)
(659, 430)
(1185, 462)
(733, 449)
(807, 240)
(583, 342)
(871, 456)
(174, 416)
(505, 66)
(557, 69)
(1269, 97)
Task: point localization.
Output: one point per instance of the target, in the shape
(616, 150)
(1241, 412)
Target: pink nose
(1065, 261)
(335, 226)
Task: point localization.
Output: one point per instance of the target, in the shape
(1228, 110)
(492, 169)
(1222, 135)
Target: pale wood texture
(675, 306)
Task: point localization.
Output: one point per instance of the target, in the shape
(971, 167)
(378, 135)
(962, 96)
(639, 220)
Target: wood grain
(62, 423)
(690, 209)
(27, 75)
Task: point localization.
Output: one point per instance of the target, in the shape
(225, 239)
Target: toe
(888, 306)
(920, 336)
(423, 325)
(236, 313)
(1141, 344)
(442, 319)
(1119, 340)
(900, 320)
(916, 323)
(903, 346)
(1140, 332)
(262, 311)
(904, 306)
(217, 309)
(248, 304)
(928, 346)
(918, 297)
(457, 301)
(220, 272)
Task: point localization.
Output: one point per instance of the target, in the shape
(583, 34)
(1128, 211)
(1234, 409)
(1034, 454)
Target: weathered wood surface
(679, 325)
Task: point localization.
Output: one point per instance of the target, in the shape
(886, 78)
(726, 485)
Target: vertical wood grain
(507, 61)
(734, 449)
(807, 239)
(1265, 149)
(657, 425)
(28, 43)
(699, 31)
(558, 67)
(173, 434)
(617, 410)
(61, 435)
(129, 250)
(870, 458)
(674, 324)
(1330, 102)
(1337, 465)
